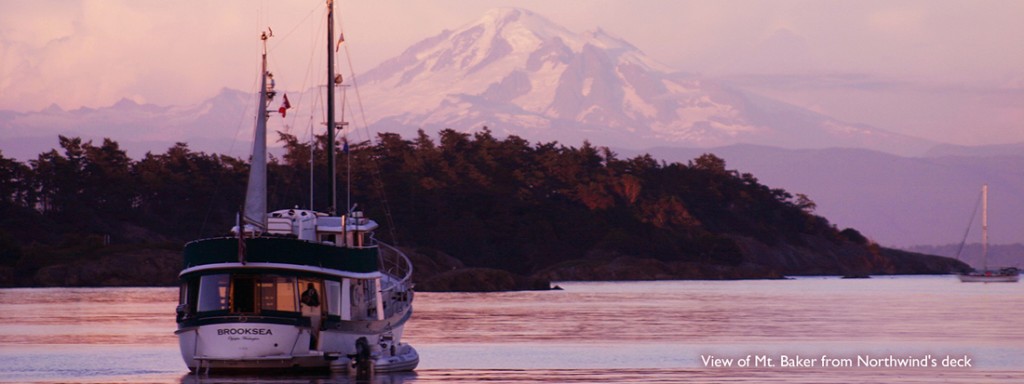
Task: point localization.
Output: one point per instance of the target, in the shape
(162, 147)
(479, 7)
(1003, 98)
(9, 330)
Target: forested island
(475, 213)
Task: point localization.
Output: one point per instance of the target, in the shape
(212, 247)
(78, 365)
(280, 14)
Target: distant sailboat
(986, 275)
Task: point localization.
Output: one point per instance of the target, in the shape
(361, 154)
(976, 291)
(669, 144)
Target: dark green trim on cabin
(281, 250)
(223, 317)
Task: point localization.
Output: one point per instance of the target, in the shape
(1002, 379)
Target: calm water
(589, 332)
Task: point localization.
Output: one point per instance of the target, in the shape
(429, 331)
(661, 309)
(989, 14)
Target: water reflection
(754, 311)
(88, 316)
(589, 332)
(677, 376)
(335, 378)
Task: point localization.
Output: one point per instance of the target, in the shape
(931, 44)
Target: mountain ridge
(515, 72)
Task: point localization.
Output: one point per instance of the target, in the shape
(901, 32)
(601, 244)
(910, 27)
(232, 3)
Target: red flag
(284, 106)
(341, 39)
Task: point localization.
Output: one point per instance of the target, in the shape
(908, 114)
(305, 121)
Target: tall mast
(984, 227)
(333, 203)
(256, 190)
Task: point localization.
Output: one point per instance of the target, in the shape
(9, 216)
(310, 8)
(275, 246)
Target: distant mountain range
(222, 124)
(518, 73)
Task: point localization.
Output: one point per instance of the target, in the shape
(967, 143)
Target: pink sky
(951, 71)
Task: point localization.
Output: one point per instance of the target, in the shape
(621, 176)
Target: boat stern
(244, 345)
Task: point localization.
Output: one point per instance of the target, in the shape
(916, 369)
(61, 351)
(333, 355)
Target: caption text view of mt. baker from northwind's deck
(906, 86)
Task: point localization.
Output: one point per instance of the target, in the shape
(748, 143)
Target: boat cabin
(277, 294)
(267, 276)
(354, 230)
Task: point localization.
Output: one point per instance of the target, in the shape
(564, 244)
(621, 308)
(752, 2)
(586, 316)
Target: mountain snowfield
(517, 72)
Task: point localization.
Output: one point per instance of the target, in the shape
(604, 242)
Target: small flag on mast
(284, 106)
(341, 39)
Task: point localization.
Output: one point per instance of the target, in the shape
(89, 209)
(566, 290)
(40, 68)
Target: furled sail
(255, 213)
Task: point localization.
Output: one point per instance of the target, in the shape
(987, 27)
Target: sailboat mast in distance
(984, 227)
(986, 275)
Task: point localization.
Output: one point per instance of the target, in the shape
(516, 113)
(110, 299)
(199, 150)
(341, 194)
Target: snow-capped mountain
(513, 71)
(519, 73)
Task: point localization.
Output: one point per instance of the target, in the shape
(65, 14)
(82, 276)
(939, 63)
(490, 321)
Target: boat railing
(394, 263)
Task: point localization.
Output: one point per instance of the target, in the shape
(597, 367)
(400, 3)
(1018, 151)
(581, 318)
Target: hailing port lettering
(244, 331)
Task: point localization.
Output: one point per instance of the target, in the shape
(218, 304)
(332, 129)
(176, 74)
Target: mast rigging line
(375, 167)
(306, 78)
(969, 225)
(244, 116)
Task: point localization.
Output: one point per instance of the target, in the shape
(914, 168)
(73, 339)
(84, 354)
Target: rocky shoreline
(438, 272)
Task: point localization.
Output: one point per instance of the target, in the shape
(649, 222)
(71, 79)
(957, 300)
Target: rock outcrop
(145, 267)
(436, 271)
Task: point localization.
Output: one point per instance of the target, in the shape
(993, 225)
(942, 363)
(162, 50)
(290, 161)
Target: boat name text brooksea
(244, 331)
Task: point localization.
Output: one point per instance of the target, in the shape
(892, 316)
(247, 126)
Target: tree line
(500, 203)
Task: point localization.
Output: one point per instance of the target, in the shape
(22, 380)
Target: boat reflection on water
(334, 378)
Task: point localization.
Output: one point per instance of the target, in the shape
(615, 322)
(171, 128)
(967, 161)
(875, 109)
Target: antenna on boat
(312, 161)
(333, 203)
(344, 146)
(370, 160)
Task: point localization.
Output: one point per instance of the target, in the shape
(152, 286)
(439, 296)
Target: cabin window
(277, 293)
(183, 294)
(193, 294)
(244, 295)
(333, 297)
(188, 295)
(213, 293)
(364, 299)
(315, 297)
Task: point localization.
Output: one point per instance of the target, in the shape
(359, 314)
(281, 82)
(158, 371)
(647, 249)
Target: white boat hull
(992, 278)
(262, 346)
